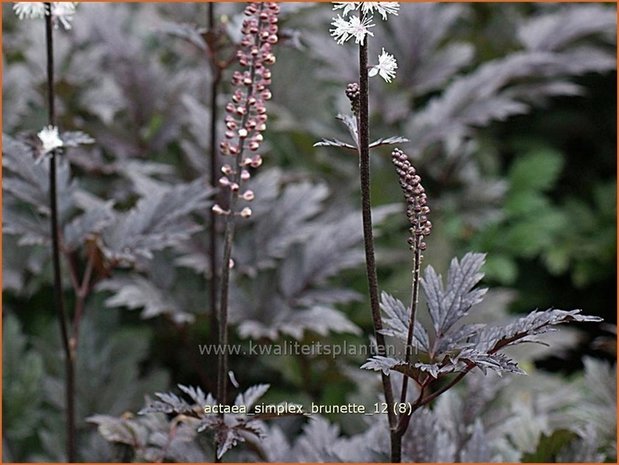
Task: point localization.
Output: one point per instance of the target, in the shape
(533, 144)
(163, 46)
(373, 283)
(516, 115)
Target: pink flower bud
(219, 211)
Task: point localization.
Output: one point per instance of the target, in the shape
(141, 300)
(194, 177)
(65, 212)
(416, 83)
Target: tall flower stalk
(58, 14)
(356, 22)
(69, 349)
(363, 147)
(213, 158)
(245, 120)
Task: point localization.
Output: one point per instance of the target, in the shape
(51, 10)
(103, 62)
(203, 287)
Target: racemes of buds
(417, 209)
(353, 93)
(246, 114)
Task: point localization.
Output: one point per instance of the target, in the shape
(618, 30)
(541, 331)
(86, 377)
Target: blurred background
(510, 110)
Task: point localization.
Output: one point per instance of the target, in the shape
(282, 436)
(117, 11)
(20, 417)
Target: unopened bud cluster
(353, 92)
(246, 114)
(417, 209)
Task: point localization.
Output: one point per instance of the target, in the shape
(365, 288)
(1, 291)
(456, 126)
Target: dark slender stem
(214, 169)
(368, 235)
(222, 364)
(81, 294)
(396, 448)
(210, 16)
(68, 345)
(218, 323)
(413, 313)
(447, 387)
(405, 419)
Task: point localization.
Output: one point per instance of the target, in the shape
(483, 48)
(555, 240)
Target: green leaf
(549, 446)
(501, 268)
(536, 170)
(525, 202)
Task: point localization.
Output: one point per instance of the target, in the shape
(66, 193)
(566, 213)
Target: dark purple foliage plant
(164, 210)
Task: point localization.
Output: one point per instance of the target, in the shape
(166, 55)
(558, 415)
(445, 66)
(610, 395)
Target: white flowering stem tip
(346, 6)
(386, 66)
(368, 8)
(345, 29)
(62, 12)
(382, 8)
(29, 10)
(50, 139)
(340, 31)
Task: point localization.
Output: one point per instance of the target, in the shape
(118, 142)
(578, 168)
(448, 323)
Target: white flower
(354, 27)
(368, 8)
(383, 8)
(50, 139)
(62, 12)
(360, 28)
(347, 6)
(340, 31)
(386, 66)
(29, 10)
